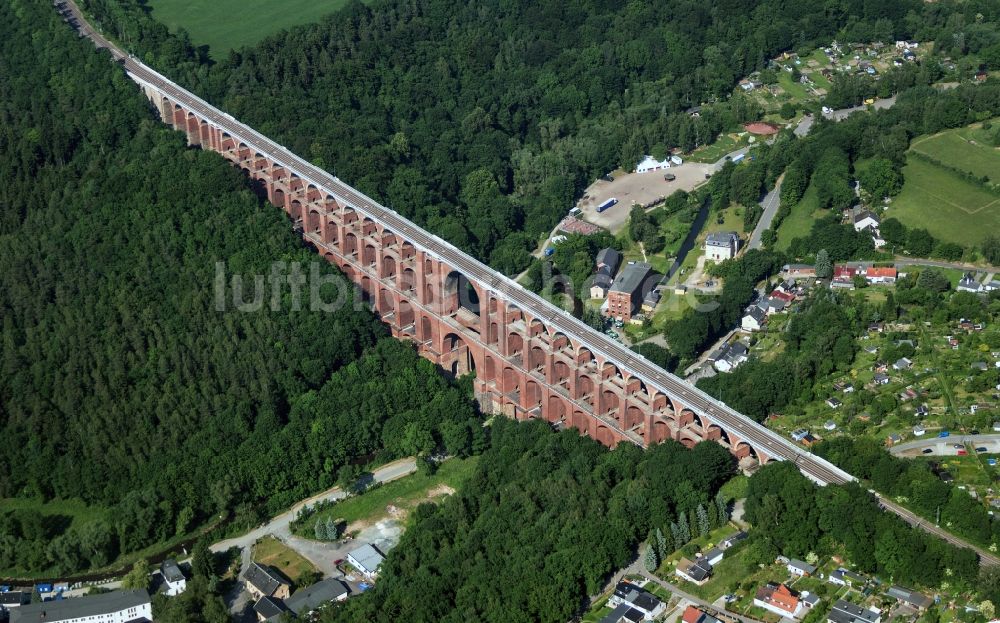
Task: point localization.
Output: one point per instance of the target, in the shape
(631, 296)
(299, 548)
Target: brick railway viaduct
(530, 358)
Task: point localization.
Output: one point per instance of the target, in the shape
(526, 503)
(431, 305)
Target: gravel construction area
(640, 188)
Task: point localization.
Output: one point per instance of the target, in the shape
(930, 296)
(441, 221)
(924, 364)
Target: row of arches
(534, 367)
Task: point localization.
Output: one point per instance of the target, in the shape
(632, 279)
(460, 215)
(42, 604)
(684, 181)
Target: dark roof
(262, 579)
(623, 612)
(911, 597)
(311, 597)
(731, 540)
(609, 257)
(79, 607)
(268, 607)
(737, 349)
(14, 598)
(632, 277)
(637, 596)
(863, 214)
(804, 566)
(755, 312)
(721, 238)
(712, 553)
(697, 570)
(171, 572)
(602, 279)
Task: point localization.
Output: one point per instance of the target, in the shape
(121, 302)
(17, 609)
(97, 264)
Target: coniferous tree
(319, 530)
(703, 525)
(651, 560)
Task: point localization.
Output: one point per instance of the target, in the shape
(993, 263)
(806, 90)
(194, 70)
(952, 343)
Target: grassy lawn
(213, 23)
(271, 551)
(404, 493)
(732, 220)
(948, 206)
(800, 221)
(965, 148)
(722, 146)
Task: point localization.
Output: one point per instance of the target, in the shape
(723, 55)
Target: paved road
(806, 123)
(770, 205)
(910, 261)
(279, 526)
(762, 440)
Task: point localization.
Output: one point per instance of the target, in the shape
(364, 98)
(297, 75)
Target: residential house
(846, 612)
(608, 261)
(799, 434)
(753, 319)
(733, 539)
(833, 403)
(902, 364)
(623, 613)
(772, 305)
(693, 615)
(830, 425)
(880, 379)
(980, 365)
(629, 289)
(865, 220)
(893, 439)
(922, 410)
(800, 568)
(262, 581)
(601, 284)
(713, 556)
(880, 275)
(308, 599)
(968, 283)
(269, 608)
(779, 599)
(919, 431)
(609, 258)
(799, 270)
(845, 577)
(843, 277)
(366, 559)
(721, 245)
(120, 606)
(638, 599)
(651, 300)
(173, 578)
(991, 286)
(909, 597)
(734, 355)
(696, 571)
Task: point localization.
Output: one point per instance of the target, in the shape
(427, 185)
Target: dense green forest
(484, 120)
(793, 516)
(540, 525)
(121, 384)
(914, 481)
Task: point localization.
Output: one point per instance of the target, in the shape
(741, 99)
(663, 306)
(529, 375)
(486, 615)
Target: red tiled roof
(691, 615)
(881, 272)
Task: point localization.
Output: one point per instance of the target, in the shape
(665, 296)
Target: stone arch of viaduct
(524, 368)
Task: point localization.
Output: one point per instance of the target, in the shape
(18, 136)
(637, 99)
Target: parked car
(927, 450)
(958, 446)
(943, 433)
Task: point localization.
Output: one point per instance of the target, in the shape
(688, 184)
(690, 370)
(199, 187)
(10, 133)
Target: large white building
(174, 581)
(366, 559)
(721, 245)
(114, 607)
(650, 163)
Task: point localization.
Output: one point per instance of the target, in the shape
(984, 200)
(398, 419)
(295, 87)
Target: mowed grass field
(226, 24)
(948, 206)
(965, 148)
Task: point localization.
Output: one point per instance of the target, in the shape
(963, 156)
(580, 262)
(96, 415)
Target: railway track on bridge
(758, 436)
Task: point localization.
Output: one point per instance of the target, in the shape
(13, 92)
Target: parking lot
(953, 445)
(640, 188)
